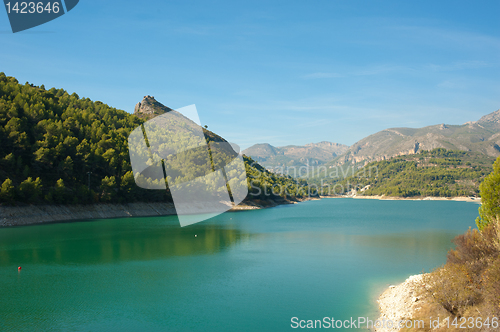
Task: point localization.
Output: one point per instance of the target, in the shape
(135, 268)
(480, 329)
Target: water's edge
(399, 303)
(40, 214)
(288, 239)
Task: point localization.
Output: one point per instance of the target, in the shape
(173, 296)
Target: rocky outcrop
(149, 108)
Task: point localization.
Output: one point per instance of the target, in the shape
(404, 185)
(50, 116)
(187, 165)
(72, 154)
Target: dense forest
(438, 173)
(59, 148)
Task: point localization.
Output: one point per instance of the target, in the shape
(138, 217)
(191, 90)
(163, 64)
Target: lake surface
(244, 271)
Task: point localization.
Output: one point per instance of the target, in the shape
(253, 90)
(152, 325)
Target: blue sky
(281, 72)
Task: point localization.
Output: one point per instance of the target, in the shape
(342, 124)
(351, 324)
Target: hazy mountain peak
(261, 150)
(295, 155)
(325, 144)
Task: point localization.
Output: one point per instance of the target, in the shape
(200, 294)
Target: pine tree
(490, 197)
(7, 191)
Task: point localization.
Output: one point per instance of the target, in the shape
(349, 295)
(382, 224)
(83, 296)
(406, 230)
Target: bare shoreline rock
(428, 198)
(399, 303)
(40, 214)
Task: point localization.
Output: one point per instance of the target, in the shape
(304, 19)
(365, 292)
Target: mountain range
(292, 155)
(482, 136)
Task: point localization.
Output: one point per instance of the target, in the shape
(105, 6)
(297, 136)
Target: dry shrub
(491, 285)
(428, 309)
(468, 285)
(475, 250)
(474, 245)
(453, 287)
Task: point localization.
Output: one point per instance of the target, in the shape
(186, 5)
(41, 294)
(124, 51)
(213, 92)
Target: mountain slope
(60, 148)
(481, 136)
(438, 172)
(293, 155)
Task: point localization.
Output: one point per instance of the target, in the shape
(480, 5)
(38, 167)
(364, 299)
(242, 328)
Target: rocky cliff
(149, 108)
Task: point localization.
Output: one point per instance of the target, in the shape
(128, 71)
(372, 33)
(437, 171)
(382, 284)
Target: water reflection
(251, 270)
(110, 241)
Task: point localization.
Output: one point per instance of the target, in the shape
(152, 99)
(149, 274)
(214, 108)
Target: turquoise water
(244, 271)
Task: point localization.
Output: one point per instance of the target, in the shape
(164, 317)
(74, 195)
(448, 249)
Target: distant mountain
(481, 136)
(293, 155)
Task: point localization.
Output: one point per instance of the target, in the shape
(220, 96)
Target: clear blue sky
(281, 72)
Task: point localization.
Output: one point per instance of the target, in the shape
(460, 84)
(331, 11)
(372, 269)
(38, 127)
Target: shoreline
(13, 216)
(396, 198)
(400, 302)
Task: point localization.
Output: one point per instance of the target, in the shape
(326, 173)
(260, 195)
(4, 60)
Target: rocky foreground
(400, 303)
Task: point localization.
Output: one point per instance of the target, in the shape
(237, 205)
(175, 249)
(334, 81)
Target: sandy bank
(391, 198)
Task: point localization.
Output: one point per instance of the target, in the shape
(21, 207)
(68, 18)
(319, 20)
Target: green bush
(490, 193)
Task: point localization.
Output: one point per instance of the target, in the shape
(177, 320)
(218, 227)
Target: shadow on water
(113, 241)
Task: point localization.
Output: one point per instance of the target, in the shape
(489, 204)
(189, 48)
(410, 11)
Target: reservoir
(240, 271)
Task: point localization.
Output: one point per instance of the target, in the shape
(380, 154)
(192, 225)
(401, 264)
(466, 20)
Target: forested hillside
(60, 148)
(438, 172)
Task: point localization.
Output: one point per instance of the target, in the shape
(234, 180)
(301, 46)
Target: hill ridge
(295, 155)
(481, 136)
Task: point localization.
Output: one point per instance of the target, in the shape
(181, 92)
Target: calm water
(244, 271)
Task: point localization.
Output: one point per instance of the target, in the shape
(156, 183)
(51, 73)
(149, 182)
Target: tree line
(59, 148)
(438, 172)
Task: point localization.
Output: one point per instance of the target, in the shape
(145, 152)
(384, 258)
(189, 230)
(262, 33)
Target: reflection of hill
(112, 241)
